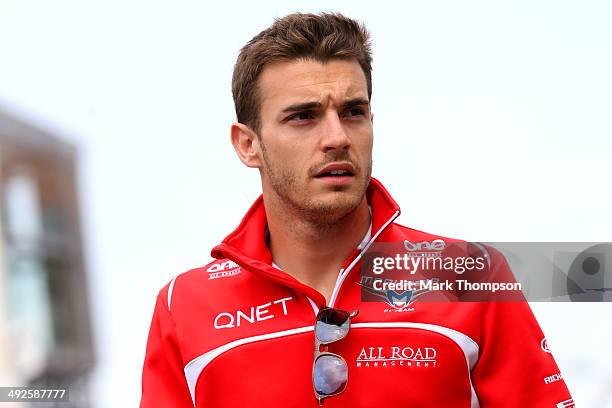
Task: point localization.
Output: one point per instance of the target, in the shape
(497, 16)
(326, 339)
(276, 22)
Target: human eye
(300, 116)
(355, 112)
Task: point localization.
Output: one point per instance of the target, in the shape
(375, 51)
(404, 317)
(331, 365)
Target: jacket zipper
(345, 272)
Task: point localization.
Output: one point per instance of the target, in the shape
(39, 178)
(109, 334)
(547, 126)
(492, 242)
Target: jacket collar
(246, 245)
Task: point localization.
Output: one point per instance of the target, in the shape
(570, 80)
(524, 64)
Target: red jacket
(238, 332)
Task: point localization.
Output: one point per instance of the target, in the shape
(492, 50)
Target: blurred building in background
(45, 331)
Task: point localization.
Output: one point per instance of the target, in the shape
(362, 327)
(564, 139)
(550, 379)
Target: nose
(333, 133)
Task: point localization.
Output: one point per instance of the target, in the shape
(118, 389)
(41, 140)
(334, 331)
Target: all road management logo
(397, 356)
(223, 270)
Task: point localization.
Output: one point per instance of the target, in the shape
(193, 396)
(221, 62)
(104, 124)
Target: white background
(492, 123)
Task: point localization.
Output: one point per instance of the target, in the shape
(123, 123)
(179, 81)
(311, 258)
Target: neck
(313, 252)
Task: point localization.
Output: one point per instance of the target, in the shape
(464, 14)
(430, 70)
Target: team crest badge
(399, 301)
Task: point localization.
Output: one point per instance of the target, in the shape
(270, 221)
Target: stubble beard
(321, 214)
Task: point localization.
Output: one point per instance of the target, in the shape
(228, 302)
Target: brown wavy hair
(320, 37)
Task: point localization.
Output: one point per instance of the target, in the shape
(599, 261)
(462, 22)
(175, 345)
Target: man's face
(316, 136)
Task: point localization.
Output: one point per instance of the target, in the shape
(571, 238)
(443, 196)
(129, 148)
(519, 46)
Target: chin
(333, 208)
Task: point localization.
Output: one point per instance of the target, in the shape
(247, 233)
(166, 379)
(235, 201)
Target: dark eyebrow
(312, 105)
(302, 106)
(356, 102)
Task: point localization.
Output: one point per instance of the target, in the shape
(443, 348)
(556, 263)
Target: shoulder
(205, 280)
(420, 239)
(400, 231)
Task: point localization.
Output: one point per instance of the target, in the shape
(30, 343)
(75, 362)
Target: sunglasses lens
(330, 375)
(332, 325)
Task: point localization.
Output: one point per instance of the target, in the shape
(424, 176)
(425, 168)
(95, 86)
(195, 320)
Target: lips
(336, 170)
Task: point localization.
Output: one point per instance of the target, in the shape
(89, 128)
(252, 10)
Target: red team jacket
(238, 332)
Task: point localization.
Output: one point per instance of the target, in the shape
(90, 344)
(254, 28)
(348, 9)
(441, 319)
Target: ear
(372, 117)
(246, 144)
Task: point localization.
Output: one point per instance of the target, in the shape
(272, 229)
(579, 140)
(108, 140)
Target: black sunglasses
(329, 370)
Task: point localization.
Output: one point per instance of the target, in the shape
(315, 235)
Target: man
(238, 332)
